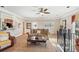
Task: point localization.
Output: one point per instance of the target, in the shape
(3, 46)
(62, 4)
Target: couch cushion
(4, 36)
(5, 42)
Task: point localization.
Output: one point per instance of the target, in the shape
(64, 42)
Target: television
(9, 25)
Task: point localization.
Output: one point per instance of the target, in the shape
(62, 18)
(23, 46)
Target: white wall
(41, 24)
(16, 20)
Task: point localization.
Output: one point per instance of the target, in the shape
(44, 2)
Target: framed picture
(28, 25)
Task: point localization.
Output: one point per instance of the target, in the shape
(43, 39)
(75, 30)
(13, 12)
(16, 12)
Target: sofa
(6, 40)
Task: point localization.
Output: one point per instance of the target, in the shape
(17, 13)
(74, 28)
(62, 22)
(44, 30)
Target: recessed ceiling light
(2, 6)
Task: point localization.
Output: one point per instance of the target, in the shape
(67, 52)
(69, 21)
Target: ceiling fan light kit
(68, 7)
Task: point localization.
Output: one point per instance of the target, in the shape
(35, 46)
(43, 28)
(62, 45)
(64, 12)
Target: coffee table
(34, 39)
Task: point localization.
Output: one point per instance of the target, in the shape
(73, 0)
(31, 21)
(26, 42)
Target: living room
(23, 21)
(18, 26)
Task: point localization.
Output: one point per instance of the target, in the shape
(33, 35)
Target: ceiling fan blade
(41, 9)
(47, 12)
(45, 9)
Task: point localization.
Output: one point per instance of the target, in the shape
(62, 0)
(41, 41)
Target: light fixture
(42, 14)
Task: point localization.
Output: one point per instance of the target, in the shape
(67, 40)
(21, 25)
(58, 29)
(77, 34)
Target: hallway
(21, 46)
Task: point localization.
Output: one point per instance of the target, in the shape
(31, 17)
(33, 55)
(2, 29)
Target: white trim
(70, 13)
(6, 11)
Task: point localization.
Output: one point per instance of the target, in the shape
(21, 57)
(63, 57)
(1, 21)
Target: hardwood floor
(21, 46)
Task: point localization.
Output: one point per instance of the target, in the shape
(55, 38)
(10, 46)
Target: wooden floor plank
(21, 46)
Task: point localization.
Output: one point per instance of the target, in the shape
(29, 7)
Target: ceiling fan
(43, 11)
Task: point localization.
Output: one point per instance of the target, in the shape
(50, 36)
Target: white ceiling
(30, 11)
